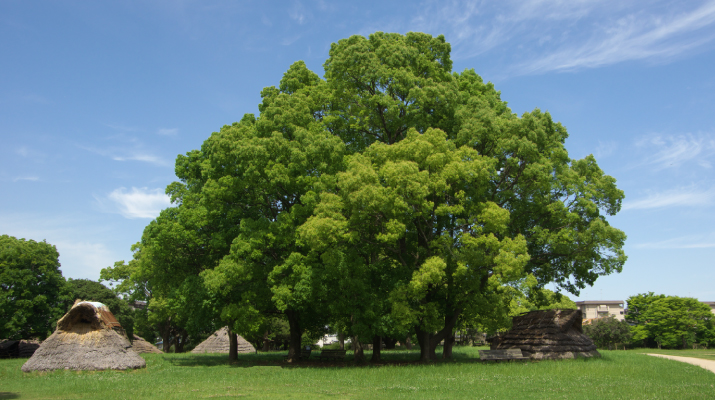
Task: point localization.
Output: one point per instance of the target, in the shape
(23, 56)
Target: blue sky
(98, 98)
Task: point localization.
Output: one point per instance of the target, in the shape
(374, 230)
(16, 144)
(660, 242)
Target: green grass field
(617, 375)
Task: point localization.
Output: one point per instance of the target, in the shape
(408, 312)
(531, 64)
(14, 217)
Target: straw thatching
(18, 348)
(85, 340)
(549, 334)
(142, 346)
(219, 343)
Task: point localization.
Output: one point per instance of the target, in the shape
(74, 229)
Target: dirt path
(707, 364)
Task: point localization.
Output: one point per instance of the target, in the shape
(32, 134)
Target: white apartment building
(602, 308)
(711, 304)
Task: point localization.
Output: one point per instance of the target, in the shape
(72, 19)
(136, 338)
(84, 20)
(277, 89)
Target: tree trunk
(448, 344)
(180, 341)
(295, 337)
(341, 340)
(376, 348)
(166, 337)
(266, 341)
(358, 350)
(408, 343)
(426, 350)
(232, 345)
(389, 343)
(450, 321)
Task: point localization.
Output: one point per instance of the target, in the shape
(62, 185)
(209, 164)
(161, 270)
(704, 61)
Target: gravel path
(707, 364)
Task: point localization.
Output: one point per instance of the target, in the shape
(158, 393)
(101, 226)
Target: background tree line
(36, 295)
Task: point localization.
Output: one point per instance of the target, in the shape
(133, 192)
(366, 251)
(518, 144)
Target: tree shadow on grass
(214, 360)
(389, 358)
(198, 360)
(9, 395)
(276, 359)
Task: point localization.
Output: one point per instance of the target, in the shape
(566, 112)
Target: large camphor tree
(392, 196)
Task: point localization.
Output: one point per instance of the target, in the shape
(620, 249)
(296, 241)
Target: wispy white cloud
(123, 128)
(474, 27)
(297, 12)
(118, 154)
(674, 198)
(124, 145)
(605, 149)
(168, 132)
(265, 21)
(152, 159)
(683, 242)
(539, 36)
(635, 36)
(28, 152)
(26, 178)
(139, 202)
(669, 151)
(290, 40)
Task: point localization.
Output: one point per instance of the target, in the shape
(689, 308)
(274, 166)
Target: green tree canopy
(608, 332)
(394, 195)
(254, 179)
(33, 292)
(638, 306)
(523, 202)
(676, 322)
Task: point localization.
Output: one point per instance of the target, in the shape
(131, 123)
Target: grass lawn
(617, 375)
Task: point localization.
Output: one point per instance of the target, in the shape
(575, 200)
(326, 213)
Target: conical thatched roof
(218, 343)
(142, 346)
(549, 334)
(85, 340)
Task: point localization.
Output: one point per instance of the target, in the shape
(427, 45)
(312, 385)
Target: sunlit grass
(617, 375)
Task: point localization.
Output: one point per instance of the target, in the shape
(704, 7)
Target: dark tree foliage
(88, 290)
(33, 291)
(608, 332)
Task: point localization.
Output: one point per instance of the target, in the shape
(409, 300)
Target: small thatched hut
(549, 334)
(218, 342)
(18, 348)
(142, 346)
(86, 338)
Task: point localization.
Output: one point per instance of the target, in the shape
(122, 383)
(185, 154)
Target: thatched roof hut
(549, 334)
(86, 338)
(142, 346)
(18, 348)
(218, 342)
